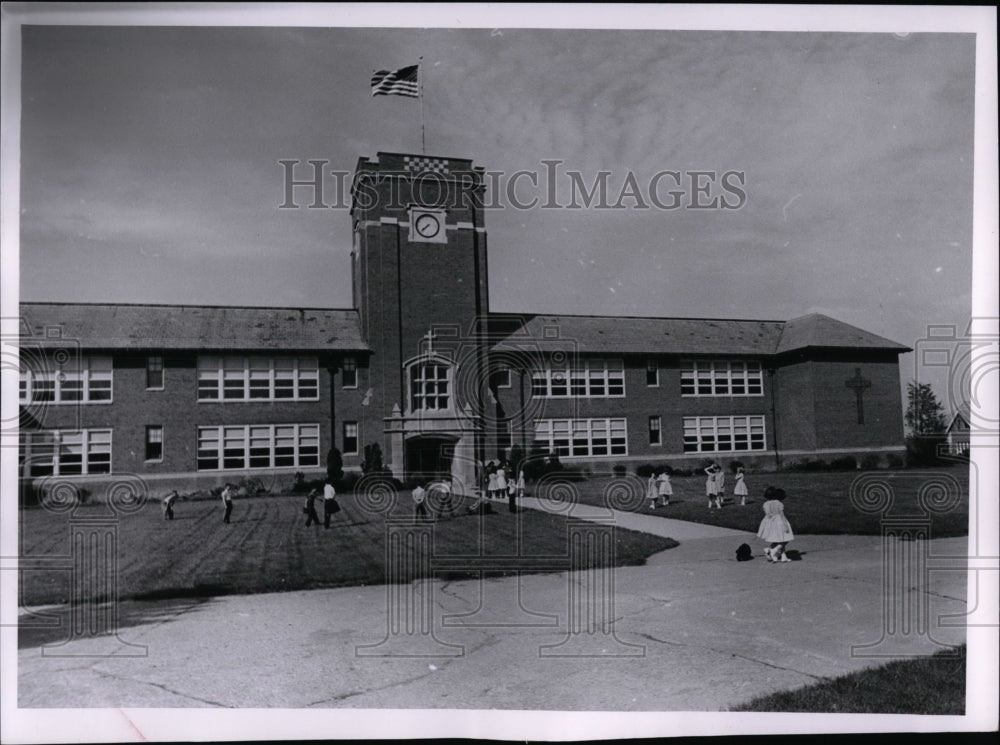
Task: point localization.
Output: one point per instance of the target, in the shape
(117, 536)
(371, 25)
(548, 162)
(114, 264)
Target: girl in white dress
(775, 527)
(651, 490)
(741, 488)
(665, 490)
(502, 481)
(491, 484)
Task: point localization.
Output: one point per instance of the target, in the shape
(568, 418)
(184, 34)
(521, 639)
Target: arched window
(430, 386)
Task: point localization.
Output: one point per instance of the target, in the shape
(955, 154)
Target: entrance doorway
(429, 456)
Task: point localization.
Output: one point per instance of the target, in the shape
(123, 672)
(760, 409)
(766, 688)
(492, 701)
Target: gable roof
(141, 326)
(644, 335)
(960, 421)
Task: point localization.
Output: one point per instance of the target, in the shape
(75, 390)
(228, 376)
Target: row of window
(229, 378)
(259, 378)
(235, 378)
(240, 447)
(577, 438)
(606, 379)
(88, 451)
(78, 380)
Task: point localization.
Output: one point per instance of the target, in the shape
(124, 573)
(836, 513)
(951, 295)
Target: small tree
(925, 422)
(924, 414)
(373, 459)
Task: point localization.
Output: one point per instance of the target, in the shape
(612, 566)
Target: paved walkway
(694, 630)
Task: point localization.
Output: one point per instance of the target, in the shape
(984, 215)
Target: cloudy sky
(150, 165)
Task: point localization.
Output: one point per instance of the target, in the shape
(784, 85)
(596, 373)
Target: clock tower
(419, 279)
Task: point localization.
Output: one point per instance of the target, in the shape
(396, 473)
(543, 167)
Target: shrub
(251, 486)
(334, 465)
(923, 451)
(844, 463)
(735, 465)
(645, 470)
(871, 461)
(619, 470)
(894, 460)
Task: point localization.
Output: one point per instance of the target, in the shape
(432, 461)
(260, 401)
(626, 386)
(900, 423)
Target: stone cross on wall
(859, 385)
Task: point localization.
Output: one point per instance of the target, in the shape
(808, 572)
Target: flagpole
(420, 80)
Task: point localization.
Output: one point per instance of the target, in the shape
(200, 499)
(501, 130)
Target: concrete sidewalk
(693, 630)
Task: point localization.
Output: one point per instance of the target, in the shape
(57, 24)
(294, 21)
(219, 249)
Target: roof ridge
(184, 305)
(641, 318)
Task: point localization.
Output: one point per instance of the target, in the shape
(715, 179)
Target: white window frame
(580, 380)
(652, 366)
(151, 428)
(658, 421)
(162, 371)
(247, 434)
(350, 365)
(704, 434)
(357, 437)
(241, 369)
(412, 397)
(56, 439)
(719, 378)
(30, 382)
(568, 437)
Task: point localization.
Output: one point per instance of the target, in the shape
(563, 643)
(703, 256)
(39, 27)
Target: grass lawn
(267, 548)
(927, 685)
(817, 503)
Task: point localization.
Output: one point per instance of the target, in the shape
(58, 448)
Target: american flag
(401, 82)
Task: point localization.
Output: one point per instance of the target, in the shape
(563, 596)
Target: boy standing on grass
(310, 509)
(227, 501)
(168, 505)
(330, 505)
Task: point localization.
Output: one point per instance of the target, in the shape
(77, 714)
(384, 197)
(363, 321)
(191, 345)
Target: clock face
(428, 226)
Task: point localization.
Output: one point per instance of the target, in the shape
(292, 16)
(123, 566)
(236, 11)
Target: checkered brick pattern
(415, 164)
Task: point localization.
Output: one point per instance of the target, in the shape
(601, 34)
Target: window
(350, 438)
(576, 438)
(429, 387)
(721, 378)
(154, 372)
(66, 453)
(585, 378)
(652, 373)
(78, 380)
(720, 434)
(654, 430)
(154, 442)
(235, 378)
(350, 372)
(258, 446)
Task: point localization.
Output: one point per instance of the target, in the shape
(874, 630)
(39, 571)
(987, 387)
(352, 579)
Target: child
(491, 484)
(520, 484)
(774, 527)
(651, 490)
(741, 488)
(502, 480)
(419, 496)
(665, 489)
(310, 508)
(168, 505)
(720, 485)
(712, 486)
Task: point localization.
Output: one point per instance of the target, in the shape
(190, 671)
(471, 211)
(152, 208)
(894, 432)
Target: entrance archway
(429, 456)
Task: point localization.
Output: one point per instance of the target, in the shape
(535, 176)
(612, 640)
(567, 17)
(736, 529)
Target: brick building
(185, 395)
